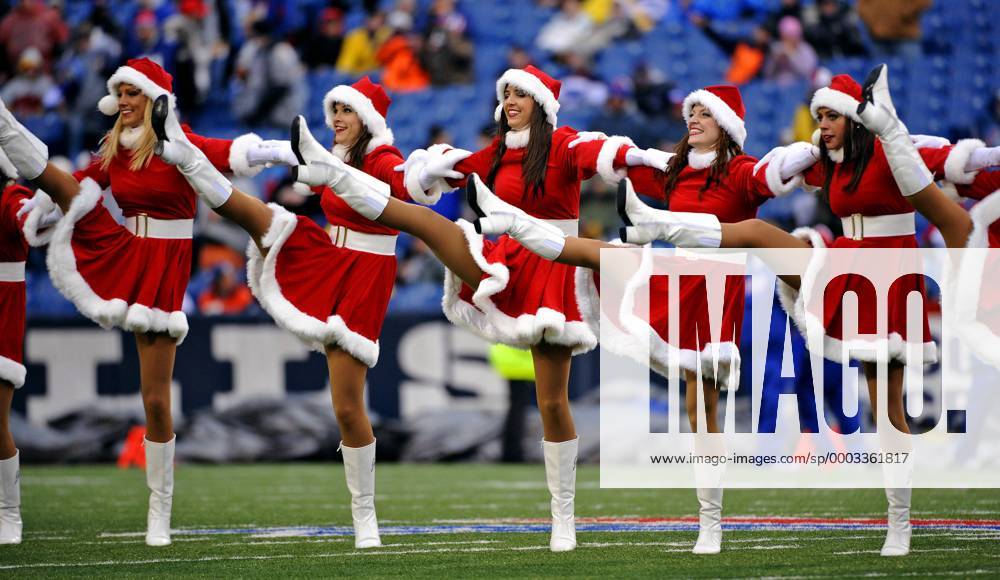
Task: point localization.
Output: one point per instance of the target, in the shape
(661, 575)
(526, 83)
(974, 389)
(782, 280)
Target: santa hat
(146, 75)
(843, 96)
(543, 88)
(369, 101)
(726, 105)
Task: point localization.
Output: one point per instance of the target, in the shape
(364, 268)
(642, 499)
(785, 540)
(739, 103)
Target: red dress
(115, 277)
(320, 286)
(13, 254)
(524, 299)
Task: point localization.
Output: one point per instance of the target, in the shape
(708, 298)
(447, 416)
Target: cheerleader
(497, 289)
(332, 288)
(132, 276)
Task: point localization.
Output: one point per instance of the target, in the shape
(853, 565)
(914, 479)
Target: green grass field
(89, 520)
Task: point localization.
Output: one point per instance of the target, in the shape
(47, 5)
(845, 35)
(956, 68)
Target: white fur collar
(130, 136)
(836, 155)
(517, 139)
(340, 152)
(701, 160)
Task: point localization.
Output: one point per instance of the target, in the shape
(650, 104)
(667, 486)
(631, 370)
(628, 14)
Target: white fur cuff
(238, 162)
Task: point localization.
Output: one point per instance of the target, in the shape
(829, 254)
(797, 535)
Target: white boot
(560, 474)
(317, 166)
(359, 470)
(709, 521)
(644, 224)
(173, 147)
(879, 116)
(28, 155)
(897, 539)
(499, 217)
(160, 479)
(10, 500)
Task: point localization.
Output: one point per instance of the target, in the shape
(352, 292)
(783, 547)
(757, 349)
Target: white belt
(568, 227)
(144, 226)
(11, 271)
(382, 244)
(859, 227)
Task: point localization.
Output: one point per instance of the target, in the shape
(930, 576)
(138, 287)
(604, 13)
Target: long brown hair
(143, 152)
(725, 150)
(859, 146)
(535, 159)
(356, 153)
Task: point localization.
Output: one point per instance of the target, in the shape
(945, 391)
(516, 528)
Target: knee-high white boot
(359, 471)
(499, 217)
(644, 224)
(365, 194)
(560, 474)
(25, 151)
(173, 147)
(898, 479)
(10, 500)
(160, 479)
(709, 521)
(879, 116)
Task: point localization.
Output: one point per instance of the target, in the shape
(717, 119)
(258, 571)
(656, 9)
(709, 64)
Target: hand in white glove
(654, 158)
(929, 142)
(586, 137)
(435, 166)
(794, 158)
(270, 153)
(26, 206)
(44, 203)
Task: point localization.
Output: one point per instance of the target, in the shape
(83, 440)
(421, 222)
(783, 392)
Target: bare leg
(347, 389)
(7, 449)
(248, 212)
(583, 252)
(442, 236)
(894, 398)
(950, 218)
(552, 391)
(156, 367)
(711, 395)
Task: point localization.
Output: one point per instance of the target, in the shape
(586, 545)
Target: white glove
(794, 158)
(654, 158)
(929, 142)
(983, 157)
(26, 206)
(270, 153)
(435, 166)
(586, 137)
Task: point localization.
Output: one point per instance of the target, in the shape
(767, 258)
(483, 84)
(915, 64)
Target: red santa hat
(726, 105)
(149, 77)
(370, 101)
(843, 95)
(543, 88)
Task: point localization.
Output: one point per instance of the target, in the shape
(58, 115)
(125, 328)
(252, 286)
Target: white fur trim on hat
(363, 106)
(411, 177)
(263, 282)
(126, 74)
(724, 115)
(13, 372)
(532, 85)
(238, 150)
(835, 101)
(958, 157)
(606, 159)
(43, 205)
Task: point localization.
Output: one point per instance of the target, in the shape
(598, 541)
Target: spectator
(357, 56)
(32, 24)
(323, 48)
(83, 72)
(581, 89)
(226, 294)
(194, 35)
(835, 32)
(620, 117)
(419, 265)
(791, 59)
(567, 30)
(439, 135)
(894, 25)
(401, 69)
(32, 91)
(803, 122)
(272, 88)
(746, 55)
(447, 50)
(652, 90)
(146, 40)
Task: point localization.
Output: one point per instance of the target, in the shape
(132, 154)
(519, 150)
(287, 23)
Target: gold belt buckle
(142, 225)
(857, 226)
(338, 235)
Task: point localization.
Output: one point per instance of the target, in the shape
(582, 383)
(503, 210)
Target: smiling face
(132, 105)
(832, 126)
(517, 107)
(347, 125)
(703, 129)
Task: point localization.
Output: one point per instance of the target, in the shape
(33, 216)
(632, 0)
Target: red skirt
(12, 312)
(324, 294)
(522, 299)
(895, 339)
(114, 277)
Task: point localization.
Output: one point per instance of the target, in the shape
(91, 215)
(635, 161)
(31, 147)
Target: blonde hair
(141, 154)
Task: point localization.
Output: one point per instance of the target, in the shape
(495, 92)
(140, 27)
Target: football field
(468, 520)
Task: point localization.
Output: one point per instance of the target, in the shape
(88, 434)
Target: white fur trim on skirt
(12, 372)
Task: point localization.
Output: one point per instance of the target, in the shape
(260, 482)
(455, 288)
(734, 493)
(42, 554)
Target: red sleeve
(985, 183)
(381, 165)
(591, 157)
(935, 159)
(752, 185)
(648, 181)
(10, 205)
(814, 175)
(479, 163)
(94, 171)
(217, 150)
